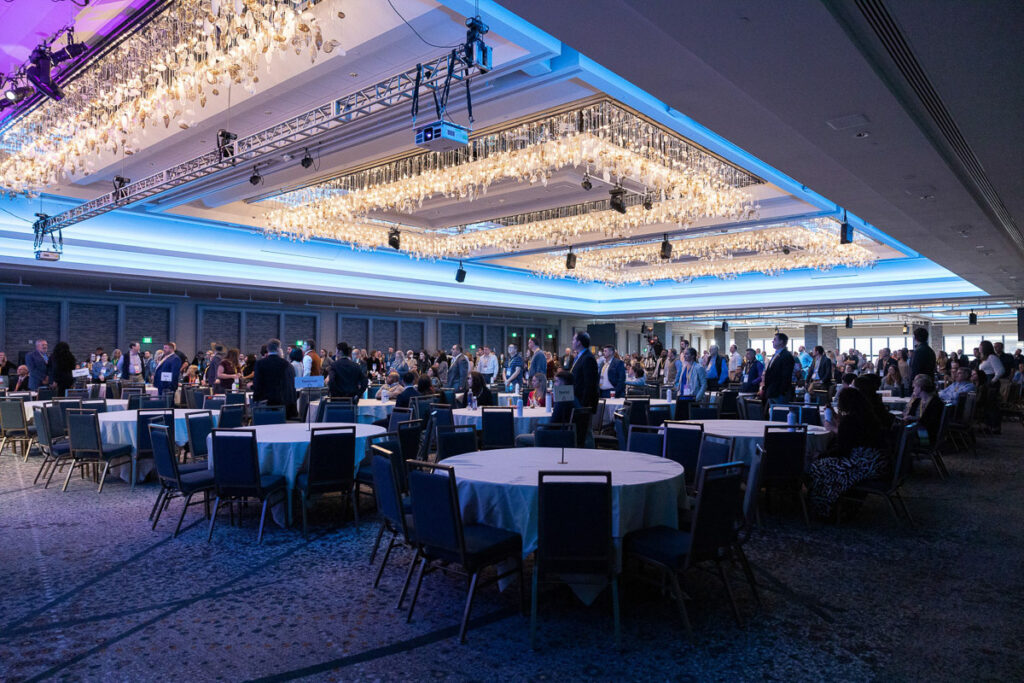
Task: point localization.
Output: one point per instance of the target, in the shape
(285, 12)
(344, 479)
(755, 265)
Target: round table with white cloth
(367, 410)
(526, 424)
(507, 398)
(613, 404)
(121, 427)
(113, 405)
(150, 390)
(747, 435)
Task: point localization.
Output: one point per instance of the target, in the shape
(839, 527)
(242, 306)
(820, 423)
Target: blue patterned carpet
(89, 592)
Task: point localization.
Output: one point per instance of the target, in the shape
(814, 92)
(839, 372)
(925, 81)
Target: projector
(441, 136)
(48, 256)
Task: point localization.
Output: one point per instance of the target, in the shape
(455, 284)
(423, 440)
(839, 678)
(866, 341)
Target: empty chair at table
(268, 415)
(53, 448)
(637, 410)
(236, 473)
(100, 406)
(338, 409)
(231, 416)
(143, 447)
(396, 517)
(714, 450)
(410, 437)
(14, 426)
(214, 402)
(199, 425)
(657, 414)
(646, 439)
(86, 446)
(574, 536)
(555, 435)
(398, 415)
(682, 445)
(751, 409)
(330, 467)
(455, 440)
(498, 427)
(441, 536)
(702, 412)
(174, 482)
(783, 453)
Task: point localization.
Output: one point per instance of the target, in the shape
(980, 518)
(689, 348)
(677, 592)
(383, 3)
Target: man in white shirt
(488, 364)
(735, 363)
(134, 364)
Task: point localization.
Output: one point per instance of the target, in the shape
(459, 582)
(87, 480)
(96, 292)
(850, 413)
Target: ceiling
(801, 98)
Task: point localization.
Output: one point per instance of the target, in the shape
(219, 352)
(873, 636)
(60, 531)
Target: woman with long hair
(892, 380)
(539, 392)
(227, 372)
(63, 364)
(478, 387)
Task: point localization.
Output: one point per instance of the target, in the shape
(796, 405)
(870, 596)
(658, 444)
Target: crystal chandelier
(159, 76)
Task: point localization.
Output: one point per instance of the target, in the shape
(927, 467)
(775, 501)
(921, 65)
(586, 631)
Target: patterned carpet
(89, 592)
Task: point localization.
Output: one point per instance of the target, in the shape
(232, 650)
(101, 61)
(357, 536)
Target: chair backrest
(100, 406)
(752, 490)
(727, 402)
(582, 418)
(637, 410)
(134, 399)
(784, 452)
(12, 415)
(268, 415)
(717, 511)
(42, 421)
(437, 519)
(455, 440)
(332, 457)
(657, 414)
(714, 450)
(410, 433)
(555, 435)
(142, 421)
(421, 406)
(333, 410)
(199, 426)
(66, 404)
(82, 393)
(442, 414)
(753, 409)
(903, 462)
(94, 391)
(682, 445)
(398, 415)
(236, 468)
(231, 415)
(498, 427)
(781, 413)
(683, 405)
(83, 431)
(574, 523)
(646, 439)
(386, 488)
(598, 421)
(810, 415)
(44, 394)
(699, 412)
(620, 421)
(234, 398)
(163, 454)
(449, 396)
(213, 402)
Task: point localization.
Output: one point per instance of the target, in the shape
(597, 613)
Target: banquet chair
(397, 416)
(682, 445)
(933, 451)
(810, 415)
(214, 402)
(236, 474)
(52, 448)
(442, 538)
(449, 396)
(498, 427)
(646, 439)
(410, 435)
(782, 461)
(887, 487)
(751, 500)
(199, 425)
(94, 390)
(637, 410)
(268, 415)
(143, 446)
(820, 396)
(364, 471)
(599, 425)
(231, 416)
(173, 481)
(331, 410)
(153, 402)
(961, 427)
(421, 407)
(621, 421)
(396, 514)
(574, 537)
(781, 413)
(455, 440)
(753, 409)
(100, 406)
(714, 450)
(14, 427)
(727, 407)
(86, 446)
(658, 414)
(234, 398)
(712, 537)
(78, 392)
(44, 394)
(134, 399)
(699, 412)
(683, 405)
(330, 467)
(64, 404)
(555, 435)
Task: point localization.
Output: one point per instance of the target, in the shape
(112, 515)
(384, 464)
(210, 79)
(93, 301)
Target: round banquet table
(613, 404)
(121, 427)
(113, 405)
(499, 488)
(282, 449)
(505, 398)
(367, 410)
(747, 435)
(894, 401)
(523, 425)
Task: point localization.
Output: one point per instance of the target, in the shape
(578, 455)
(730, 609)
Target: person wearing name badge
(458, 371)
(750, 376)
(613, 374)
(777, 382)
(103, 370)
(693, 378)
(538, 361)
(40, 365)
(168, 371)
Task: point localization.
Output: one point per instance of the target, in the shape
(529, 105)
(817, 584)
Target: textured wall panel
(495, 338)
(298, 327)
(27, 321)
(829, 338)
(92, 325)
(355, 331)
(259, 327)
(148, 321)
(448, 334)
(410, 335)
(222, 327)
(385, 334)
(472, 334)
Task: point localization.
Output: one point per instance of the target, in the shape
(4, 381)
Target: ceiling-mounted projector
(441, 136)
(48, 255)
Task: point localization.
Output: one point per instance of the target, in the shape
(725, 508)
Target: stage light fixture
(38, 73)
(307, 160)
(725, 326)
(394, 238)
(617, 199)
(226, 144)
(71, 51)
(18, 93)
(643, 328)
(648, 202)
(666, 248)
(849, 323)
(255, 178)
(906, 328)
(586, 184)
(460, 274)
(120, 182)
(786, 250)
(845, 231)
(972, 319)
(570, 260)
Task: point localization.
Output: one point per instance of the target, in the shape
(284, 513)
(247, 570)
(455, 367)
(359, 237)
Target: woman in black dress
(63, 363)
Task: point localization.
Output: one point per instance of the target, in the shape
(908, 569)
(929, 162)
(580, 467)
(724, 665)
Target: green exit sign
(147, 340)
(515, 334)
(472, 346)
(551, 336)
(532, 335)
(298, 342)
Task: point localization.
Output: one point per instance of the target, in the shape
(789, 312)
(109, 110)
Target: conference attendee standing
(167, 372)
(693, 378)
(40, 366)
(458, 372)
(777, 385)
(584, 372)
(513, 367)
(312, 364)
(751, 373)
(538, 361)
(7, 368)
(819, 375)
(488, 365)
(345, 379)
(923, 360)
(717, 369)
(567, 359)
(273, 380)
(63, 365)
(613, 374)
(133, 365)
(213, 362)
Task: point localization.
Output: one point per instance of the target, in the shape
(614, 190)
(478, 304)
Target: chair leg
(384, 561)
(181, 518)
(728, 590)
(522, 587)
(749, 574)
(67, 479)
(49, 476)
(615, 613)
(469, 607)
(408, 578)
(47, 459)
(134, 464)
(25, 448)
(213, 518)
(302, 502)
(263, 519)
(159, 498)
(677, 593)
(533, 610)
(3, 444)
(164, 501)
(103, 477)
(416, 591)
(354, 497)
(376, 544)
(903, 504)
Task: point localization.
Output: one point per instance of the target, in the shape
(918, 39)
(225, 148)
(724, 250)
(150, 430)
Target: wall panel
(92, 325)
(27, 320)
(147, 321)
(221, 327)
(355, 331)
(298, 327)
(385, 334)
(259, 327)
(410, 335)
(449, 333)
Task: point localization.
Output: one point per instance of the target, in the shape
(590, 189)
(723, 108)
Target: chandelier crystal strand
(161, 76)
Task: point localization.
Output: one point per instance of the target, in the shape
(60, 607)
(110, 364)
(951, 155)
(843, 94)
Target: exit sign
(147, 340)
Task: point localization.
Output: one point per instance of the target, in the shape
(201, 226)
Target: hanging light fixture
(906, 328)
(570, 260)
(725, 326)
(666, 248)
(849, 323)
(972, 319)
(460, 274)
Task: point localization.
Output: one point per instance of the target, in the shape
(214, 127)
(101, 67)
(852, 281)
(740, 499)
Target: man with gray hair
(717, 369)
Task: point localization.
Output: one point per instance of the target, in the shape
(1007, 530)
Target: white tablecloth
(748, 434)
(613, 404)
(367, 410)
(506, 398)
(121, 427)
(895, 401)
(150, 390)
(113, 405)
(523, 425)
(499, 488)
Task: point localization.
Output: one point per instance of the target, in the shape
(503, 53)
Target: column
(721, 337)
(812, 336)
(742, 340)
(829, 338)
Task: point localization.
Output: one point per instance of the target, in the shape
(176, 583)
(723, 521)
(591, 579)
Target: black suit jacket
(273, 381)
(585, 380)
(346, 379)
(923, 362)
(402, 400)
(824, 372)
(778, 376)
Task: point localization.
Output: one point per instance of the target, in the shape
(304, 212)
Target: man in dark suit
(819, 375)
(409, 382)
(923, 362)
(613, 374)
(777, 384)
(458, 370)
(40, 366)
(538, 361)
(20, 381)
(273, 380)
(167, 373)
(211, 369)
(345, 379)
(584, 372)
